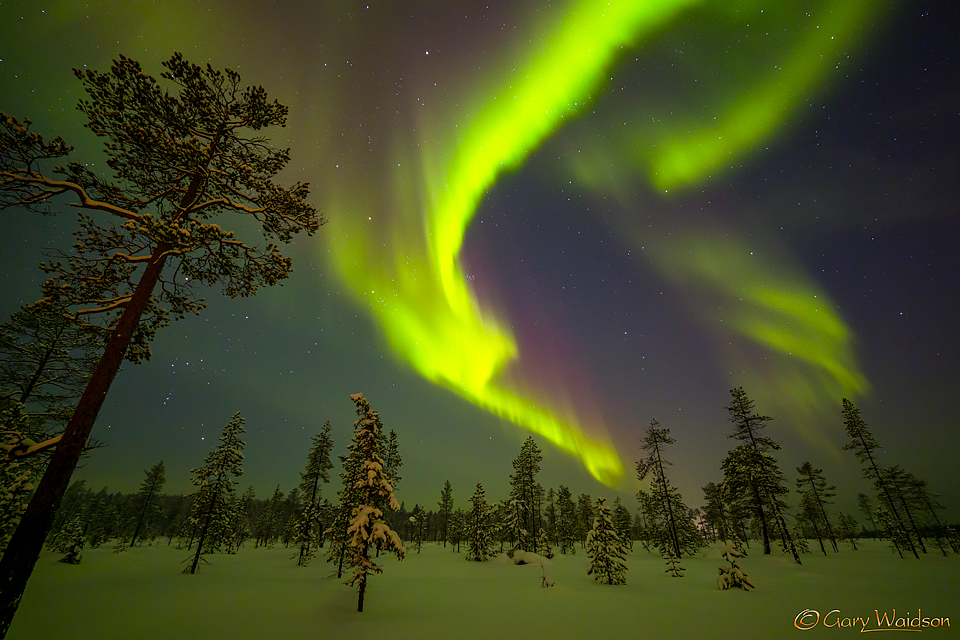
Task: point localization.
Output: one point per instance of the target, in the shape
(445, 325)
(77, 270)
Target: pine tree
(526, 495)
(457, 530)
(566, 521)
(865, 446)
(270, 520)
(926, 501)
(418, 524)
(445, 511)
(715, 511)
(623, 521)
(69, 541)
(584, 518)
(606, 550)
(811, 483)
(46, 359)
(849, 529)
(550, 516)
(752, 474)
(374, 494)
(392, 461)
(310, 523)
(901, 482)
(147, 499)
(239, 526)
(666, 513)
(215, 482)
(179, 159)
(480, 543)
(863, 503)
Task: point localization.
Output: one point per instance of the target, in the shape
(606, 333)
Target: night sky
(565, 218)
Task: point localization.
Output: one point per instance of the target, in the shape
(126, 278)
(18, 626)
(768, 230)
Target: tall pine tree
(216, 482)
(667, 515)
(317, 472)
(445, 511)
(865, 447)
(752, 474)
(147, 499)
(374, 494)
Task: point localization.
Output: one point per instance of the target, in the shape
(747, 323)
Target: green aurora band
(406, 267)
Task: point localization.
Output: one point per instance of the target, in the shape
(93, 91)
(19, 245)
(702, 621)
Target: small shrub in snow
(672, 562)
(733, 577)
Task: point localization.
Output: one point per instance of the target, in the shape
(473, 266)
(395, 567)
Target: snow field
(261, 594)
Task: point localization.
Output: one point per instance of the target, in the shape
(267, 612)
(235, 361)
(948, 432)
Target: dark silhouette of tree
(310, 524)
(525, 494)
(446, 510)
(149, 233)
(147, 499)
(566, 521)
(752, 474)
(214, 500)
(667, 515)
(865, 446)
(811, 483)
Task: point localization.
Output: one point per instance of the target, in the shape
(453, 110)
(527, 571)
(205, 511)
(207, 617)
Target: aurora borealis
(559, 218)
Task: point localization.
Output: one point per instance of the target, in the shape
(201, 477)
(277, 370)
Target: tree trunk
(27, 541)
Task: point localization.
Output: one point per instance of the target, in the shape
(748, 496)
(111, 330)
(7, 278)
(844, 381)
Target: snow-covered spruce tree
(606, 550)
(374, 494)
(479, 541)
(310, 524)
(215, 496)
(865, 447)
(238, 527)
(146, 501)
(525, 495)
(445, 511)
(181, 156)
(69, 541)
(733, 576)
(566, 521)
(752, 474)
(457, 529)
(512, 523)
(667, 516)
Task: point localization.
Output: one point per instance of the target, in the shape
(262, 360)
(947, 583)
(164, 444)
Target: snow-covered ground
(261, 593)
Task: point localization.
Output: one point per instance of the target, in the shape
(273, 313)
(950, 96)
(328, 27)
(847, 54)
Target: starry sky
(557, 218)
